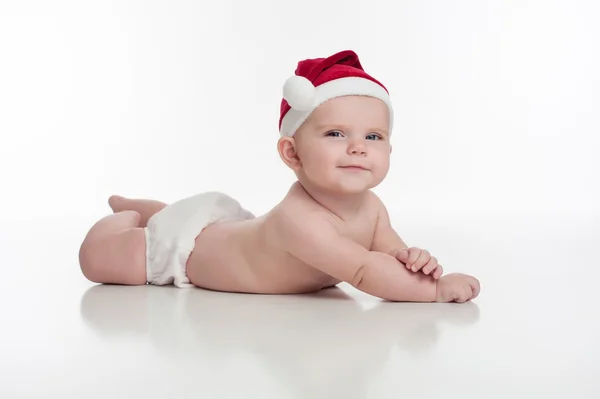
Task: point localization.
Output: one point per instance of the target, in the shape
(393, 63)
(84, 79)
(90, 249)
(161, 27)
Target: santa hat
(320, 79)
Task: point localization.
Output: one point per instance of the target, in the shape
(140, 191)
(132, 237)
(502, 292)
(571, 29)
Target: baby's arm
(386, 240)
(314, 239)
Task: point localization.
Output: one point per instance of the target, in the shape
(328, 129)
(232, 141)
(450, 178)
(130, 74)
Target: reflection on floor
(533, 331)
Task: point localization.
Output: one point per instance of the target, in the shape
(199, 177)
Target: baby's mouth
(353, 167)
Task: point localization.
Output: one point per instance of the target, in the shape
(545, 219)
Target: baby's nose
(357, 148)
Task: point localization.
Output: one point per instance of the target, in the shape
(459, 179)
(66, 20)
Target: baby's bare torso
(250, 255)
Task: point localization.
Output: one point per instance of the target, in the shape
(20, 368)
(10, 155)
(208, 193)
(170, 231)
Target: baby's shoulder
(298, 216)
(299, 210)
(374, 200)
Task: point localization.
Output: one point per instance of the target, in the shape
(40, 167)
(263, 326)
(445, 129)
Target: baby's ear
(286, 146)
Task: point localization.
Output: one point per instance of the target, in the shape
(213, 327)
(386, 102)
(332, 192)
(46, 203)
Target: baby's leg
(146, 208)
(114, 250)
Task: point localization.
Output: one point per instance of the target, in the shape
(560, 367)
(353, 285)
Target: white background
(494, 171)
(497, 102)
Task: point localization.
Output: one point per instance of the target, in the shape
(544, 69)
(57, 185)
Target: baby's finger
(414, 254)
(475, 288)
(438, 272)
(402, 255)
(464, 293)
(430, 266)
(421, 260)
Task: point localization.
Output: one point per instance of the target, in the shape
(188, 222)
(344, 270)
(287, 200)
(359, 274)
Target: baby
(335, 129)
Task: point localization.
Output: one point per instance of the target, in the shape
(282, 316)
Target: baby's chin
(348, 186)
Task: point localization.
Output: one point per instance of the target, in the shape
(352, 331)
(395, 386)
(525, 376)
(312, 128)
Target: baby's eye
(373, 137)
(334, 133)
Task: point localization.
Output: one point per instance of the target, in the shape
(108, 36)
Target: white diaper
(171, 234)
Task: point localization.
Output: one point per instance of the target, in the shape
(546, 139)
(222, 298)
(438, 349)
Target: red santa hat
(320, 79)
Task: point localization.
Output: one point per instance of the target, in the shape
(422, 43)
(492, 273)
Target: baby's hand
(419, 259)
(457, 287)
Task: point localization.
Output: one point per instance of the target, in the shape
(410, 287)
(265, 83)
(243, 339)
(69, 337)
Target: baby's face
(345, 146)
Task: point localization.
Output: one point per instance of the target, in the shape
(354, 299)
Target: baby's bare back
(250, 255)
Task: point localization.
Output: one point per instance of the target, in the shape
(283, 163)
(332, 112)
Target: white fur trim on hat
(299, 92)
(304, 98)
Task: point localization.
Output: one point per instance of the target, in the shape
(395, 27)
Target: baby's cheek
(383, 158)
(321, 162)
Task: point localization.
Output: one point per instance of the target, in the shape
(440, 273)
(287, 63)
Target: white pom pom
(299, 92)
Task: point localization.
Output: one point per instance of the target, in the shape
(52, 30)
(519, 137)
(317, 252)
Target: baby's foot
(145, 207)
(117, 203)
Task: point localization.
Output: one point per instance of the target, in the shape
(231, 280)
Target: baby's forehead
(363, 111)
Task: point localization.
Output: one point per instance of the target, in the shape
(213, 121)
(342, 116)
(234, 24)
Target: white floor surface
(533, 332)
